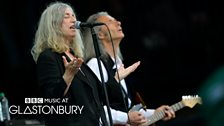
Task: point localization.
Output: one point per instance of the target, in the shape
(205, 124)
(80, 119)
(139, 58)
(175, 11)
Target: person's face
(113, 25)
(68, 23)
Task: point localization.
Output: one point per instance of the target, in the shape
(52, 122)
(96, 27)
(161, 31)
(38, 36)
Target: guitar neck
(160, 114)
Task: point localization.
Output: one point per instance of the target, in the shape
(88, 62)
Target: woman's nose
(73, 19)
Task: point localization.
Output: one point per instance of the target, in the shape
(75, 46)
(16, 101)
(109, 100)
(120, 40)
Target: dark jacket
(115, 90)
(82, 92)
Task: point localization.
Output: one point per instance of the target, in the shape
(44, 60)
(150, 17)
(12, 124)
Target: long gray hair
(50, 35)
(88, 41)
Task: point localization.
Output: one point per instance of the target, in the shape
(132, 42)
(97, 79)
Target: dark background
(179, 43)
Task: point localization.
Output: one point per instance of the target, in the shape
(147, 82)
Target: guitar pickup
(137, 107)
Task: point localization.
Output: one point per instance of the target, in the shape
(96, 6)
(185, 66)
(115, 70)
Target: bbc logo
(34, 100)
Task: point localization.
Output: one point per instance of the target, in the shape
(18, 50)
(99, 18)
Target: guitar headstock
(191, 101)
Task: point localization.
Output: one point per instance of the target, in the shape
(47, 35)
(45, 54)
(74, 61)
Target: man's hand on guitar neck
(169, 113)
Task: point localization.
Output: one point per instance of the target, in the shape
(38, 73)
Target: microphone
(79, 24)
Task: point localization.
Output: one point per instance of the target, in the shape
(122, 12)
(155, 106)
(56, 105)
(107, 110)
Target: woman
(61, 73)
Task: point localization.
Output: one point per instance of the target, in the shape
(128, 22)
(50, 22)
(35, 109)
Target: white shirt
(118, 117)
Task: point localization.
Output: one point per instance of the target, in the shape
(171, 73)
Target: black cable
(116, 67)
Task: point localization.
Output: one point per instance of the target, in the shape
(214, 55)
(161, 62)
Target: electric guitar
(187, 101)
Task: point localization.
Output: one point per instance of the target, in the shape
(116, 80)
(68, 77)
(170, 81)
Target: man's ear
(101, 35)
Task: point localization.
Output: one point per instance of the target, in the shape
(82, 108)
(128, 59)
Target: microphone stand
(97, 51)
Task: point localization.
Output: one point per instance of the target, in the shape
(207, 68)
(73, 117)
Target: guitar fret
(175, 107)
(157, 116)
(180, 105)
(162, 114)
